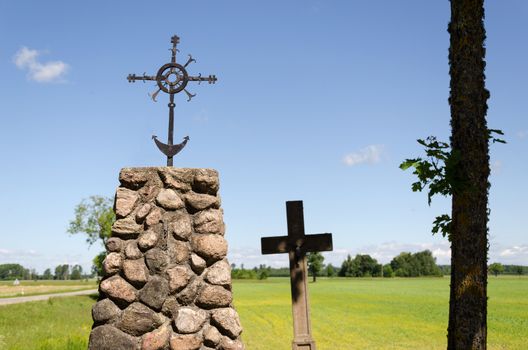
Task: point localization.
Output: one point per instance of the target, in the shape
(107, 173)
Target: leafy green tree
(347, 267)
(47, 275)
(315, 264)
(330, 270)
(402, 265)
(427, 264)
(377, 271)
(12, 271)
(94, 217)
(366, 265)
(62, 272)
(76, 272)
(414, 265)
(361, 266)
(243, 274)
(97, 264)
(263, 272)
(496, 269)
(519, 270)
(387, 271)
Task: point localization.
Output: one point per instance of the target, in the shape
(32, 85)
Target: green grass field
(346, 314)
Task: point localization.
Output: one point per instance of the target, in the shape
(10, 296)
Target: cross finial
(172, 78)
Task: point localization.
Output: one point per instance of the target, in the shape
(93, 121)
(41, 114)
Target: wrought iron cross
(172, 78)
(297, 244)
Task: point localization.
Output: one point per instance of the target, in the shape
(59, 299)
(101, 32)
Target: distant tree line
(61, 272)
(15, 271)
(404, 264)
(499, 269)
(262, 272)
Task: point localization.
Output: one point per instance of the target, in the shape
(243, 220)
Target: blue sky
(315, 100)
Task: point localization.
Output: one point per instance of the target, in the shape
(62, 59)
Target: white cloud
(370, 154)
(47, 72)
(516, 255)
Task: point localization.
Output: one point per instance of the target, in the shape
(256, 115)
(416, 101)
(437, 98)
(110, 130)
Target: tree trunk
(469, 235)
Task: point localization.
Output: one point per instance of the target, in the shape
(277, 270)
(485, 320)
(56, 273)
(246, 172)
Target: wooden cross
(297, 244)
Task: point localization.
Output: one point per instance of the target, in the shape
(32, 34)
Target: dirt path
(7, 301)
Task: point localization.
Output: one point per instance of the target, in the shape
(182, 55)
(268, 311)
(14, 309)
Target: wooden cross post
(297, 244)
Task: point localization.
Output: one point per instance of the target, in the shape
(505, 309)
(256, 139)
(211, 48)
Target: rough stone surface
(135, 271)
(230, 344)
(132, 178)
(206, 181)
(209, 221)
(178, 224)
(170, 307)
(200, 201)
(213, 296)
(112, 263)
(197, 263)
(166, 267)
(227, 321)
(148, 193)
(114, 244)
(118, 289)
(154, 292)
(169, 199)
(178, 251)
(179, 277)
(157, 339)
(177, 179)
(189, 320)
(137, 319)
(219, 273)
(143, 212)
(210, 247)
(157, 260)
(132, 251)
(126, 228)
(212, 336)
(125, 201)
(105, 310)
(109, 338)
(187, 296)
(185, 342)
(154, 217)
(147, 240)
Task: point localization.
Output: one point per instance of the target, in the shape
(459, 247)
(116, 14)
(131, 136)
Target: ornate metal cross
(172, 78)
(297, 244)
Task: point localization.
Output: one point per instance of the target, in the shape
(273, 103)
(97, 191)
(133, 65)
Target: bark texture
(469, 235)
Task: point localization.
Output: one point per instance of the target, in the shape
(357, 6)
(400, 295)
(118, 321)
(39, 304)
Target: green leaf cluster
(94, 217)
(437, 172)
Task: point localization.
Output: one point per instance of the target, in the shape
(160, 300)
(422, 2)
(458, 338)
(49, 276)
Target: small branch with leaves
(437, 173)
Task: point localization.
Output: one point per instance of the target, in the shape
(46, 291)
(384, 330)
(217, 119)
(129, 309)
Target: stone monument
(167, 281)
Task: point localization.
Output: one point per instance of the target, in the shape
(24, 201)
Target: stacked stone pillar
(167, 281)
